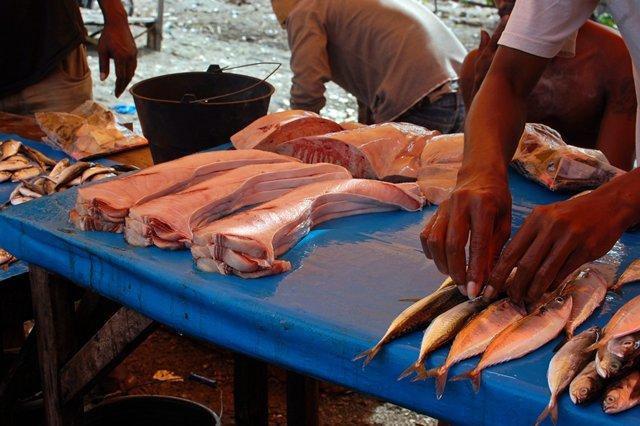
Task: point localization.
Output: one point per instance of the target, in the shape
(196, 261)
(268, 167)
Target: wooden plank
(250, 391)
(302, 400)
(54, 315)
(119, 336)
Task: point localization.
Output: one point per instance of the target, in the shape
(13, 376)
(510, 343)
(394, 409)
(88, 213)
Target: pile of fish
(400, 152)
(6, 259)
(502, 331)
(238, 211)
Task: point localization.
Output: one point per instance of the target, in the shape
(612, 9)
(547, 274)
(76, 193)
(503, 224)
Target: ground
(234, 32)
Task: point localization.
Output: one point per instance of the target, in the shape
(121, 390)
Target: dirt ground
(234, 32)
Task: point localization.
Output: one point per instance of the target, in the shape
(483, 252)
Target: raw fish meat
(248, 243)
(439, 165)
(169, 221)
(388, 151)
(267, 132)
(104, 206)
(544, 157)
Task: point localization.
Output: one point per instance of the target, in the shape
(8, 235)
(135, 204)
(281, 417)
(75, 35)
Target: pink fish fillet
(623, 322)
(388, 151)
(104, 206)
(267, 132)
(169, 221)
(248, 243)
(440, 162)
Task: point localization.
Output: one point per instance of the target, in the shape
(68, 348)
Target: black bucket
(150, 410)
(187, 112)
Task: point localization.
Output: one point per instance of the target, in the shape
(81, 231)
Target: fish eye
(615, 366)
(627, 344)
(584, 392)
(559, 299)
(610, 399)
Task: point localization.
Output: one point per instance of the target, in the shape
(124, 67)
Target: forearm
(113, 12)
(622, 195)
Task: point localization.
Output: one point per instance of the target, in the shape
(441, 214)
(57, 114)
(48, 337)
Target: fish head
(608, 364)
(625, 346)
(613, 400)
(559, 305)
(592, 332)
(583, 389)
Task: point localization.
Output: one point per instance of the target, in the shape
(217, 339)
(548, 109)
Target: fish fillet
(169, 221)
(440, 162)
(388, 151)
(104, 206)
(267, 132)
(248, 243)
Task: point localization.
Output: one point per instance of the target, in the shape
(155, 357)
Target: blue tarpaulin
(348, 276)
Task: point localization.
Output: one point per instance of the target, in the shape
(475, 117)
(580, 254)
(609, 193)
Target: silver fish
(5, 176)
(586, 385)
(14, 163)
(9, 148)
(28, 173)
(70, 173)
(43, 161)
(442, 329)
(416, 316)
(622, 395)
(88, 174)
(564, 366)
(26, 192)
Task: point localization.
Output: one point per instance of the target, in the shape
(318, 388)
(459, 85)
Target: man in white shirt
(555, 239)
(395, 56)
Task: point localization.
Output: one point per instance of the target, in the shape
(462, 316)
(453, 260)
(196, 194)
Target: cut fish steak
(169, 221)
(104, 206)
(388, 151)
(269, 131)
(440, 162)
(248, 243)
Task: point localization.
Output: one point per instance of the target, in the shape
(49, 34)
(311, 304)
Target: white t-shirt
(547, 28)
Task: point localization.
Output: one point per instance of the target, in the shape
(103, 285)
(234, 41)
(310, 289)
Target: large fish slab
(388, 151)
(169, 221)
(442, 329)
(544, 157)
(623, 394)
(248, 243)
(104, 206)
(417, 316)
(271, 130)
(522, 337)
(440, 162)
(564, 366)
(474, 338)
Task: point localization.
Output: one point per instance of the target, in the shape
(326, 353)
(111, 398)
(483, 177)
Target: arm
(481, 203)
(467, 76)
(309, 61)
(116, 42)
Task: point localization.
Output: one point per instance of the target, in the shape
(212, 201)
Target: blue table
(339, 298)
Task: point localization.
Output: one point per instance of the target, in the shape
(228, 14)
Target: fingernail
(472, 290)
(489, 291)
(103, 76)
(462, 289)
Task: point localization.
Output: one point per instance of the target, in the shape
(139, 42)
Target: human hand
(480, 205)
(554, 241)
(116, 42)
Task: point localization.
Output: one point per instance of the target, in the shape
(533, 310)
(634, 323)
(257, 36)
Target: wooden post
(154, 30)
(302, 400)
(54, 315)
(250, 391)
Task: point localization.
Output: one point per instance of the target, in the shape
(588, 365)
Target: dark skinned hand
(481, 206)
(116, 42)
(555, 240)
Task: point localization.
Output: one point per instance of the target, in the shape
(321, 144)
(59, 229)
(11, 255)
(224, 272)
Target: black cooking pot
(187, 112)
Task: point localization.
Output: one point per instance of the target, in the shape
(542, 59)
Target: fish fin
(564, 340)
(368, 355)
(472, 375)
(441, 381)
(417, 368)
(597, 345)
(425, 374)
(410, 299)
(550, 409)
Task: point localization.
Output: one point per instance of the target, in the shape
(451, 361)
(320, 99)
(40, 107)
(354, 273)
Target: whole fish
(564, 366)
(5, 176)
(474, 338)
(14, 163)
(631, 274)
(70, 173)
(625, 321)
(415, 316)
(35, 155)
(28, 173)
(586, 385)
(442, 329)
(587, 290)
(523, 336)
(9, 148)
(94, 171)
(623, 394)
(618, 355)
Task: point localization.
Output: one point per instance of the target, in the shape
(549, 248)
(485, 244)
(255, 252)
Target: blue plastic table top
(348, 276)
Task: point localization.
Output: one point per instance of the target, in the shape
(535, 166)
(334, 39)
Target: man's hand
(556, 239)
(480, 205)
(116, 42)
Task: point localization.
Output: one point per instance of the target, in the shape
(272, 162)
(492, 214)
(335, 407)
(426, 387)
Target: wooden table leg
(250, 391)
(302, 400)
(54, 316)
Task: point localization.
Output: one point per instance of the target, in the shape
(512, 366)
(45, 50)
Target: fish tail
(425, 374)
(473, 375)
(551, 409)
(417, 368)
(368, 355)
(441, 381)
